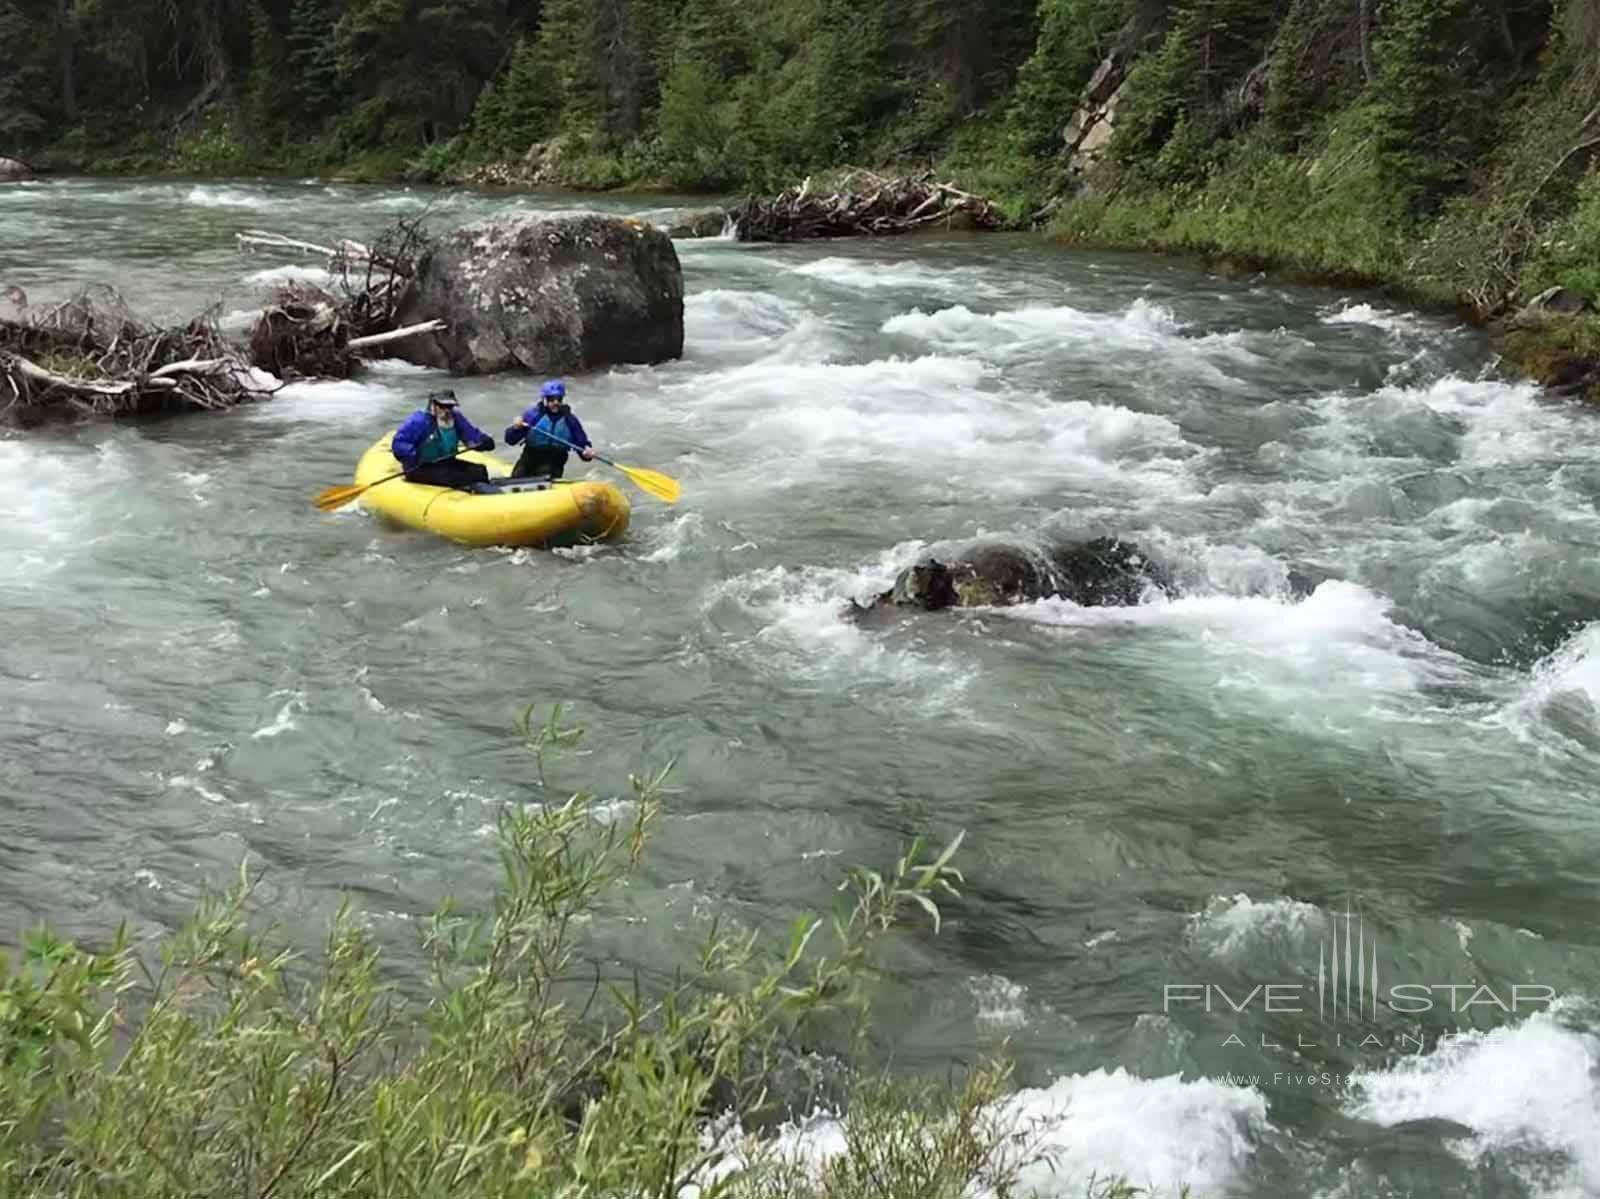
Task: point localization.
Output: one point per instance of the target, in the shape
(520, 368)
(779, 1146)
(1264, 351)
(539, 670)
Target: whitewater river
(1166, 806)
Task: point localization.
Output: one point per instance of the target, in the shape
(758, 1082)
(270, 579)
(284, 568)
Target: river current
(1362, 745)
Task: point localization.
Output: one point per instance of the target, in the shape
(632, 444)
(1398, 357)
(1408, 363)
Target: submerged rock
(546, 295)
(1100, 573)
(700, 222)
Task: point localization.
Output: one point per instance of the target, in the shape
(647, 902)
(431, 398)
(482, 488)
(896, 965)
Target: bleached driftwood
(377, 339)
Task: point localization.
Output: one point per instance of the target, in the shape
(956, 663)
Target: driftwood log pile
(314, 332)
(91, 357)
(863, 204)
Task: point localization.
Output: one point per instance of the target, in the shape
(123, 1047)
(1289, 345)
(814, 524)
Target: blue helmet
(553, 388)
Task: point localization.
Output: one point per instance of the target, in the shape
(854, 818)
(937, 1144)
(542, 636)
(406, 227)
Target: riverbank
(1446, 152)
(1274, 224)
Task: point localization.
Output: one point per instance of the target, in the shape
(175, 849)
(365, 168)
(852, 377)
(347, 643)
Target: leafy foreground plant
(234, 1068)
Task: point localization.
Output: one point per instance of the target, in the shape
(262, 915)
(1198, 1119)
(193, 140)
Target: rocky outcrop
(13, 170)
(1100, 573)
(1088, 132)
(550, 295)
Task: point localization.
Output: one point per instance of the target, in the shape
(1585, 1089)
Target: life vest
(441, 443)
(558, 426)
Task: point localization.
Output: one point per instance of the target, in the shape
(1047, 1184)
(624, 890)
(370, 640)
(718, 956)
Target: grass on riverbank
(230, 1066)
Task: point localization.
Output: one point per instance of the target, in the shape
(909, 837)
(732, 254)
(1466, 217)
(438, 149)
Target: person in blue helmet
(539, 427)
(427, 443)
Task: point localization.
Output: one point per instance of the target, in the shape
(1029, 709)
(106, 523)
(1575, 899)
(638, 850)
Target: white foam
(1339, 634)
(1566, 682)
(399, 367)
(803, 632)
(1001, 1003)
(1379, 318)
(53, 504)
(285, 721)
(959, 327)
(1039, 332)
(1159, 1133)
(1529, 1093)
(719, 310)
(798, 421)
(1162, 1134)
(199, 788)
(1228, 926)
(674, 537)
(340, 401)
(207, 196)
(291, 273)
(1505, 424)
(868, 275)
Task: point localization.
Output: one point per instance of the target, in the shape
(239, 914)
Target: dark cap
(446, 398)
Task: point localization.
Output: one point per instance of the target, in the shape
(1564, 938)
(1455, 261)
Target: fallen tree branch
(349, 250)
(377, 339)
(37, 373)
(193, 366)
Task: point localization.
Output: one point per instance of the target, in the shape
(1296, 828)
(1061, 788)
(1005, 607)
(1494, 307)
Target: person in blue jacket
(426, 443)
(550, 418)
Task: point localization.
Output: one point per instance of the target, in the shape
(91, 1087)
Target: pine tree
(21, 82)
(312, 60)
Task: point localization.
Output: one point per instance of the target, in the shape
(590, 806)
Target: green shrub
(234, 1066)
(1568, 253)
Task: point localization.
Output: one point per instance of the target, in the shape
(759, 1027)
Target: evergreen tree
(312, 59)
(22, 116)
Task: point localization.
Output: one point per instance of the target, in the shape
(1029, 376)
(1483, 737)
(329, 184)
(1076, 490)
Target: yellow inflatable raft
(536, 513)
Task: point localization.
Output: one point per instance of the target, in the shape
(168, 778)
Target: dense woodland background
(1446, 143)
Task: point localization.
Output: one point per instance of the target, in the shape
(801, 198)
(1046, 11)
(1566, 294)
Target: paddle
(663, 487)
(338, 497)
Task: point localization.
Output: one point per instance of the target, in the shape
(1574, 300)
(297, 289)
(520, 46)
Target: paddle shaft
(461, 449)
(657, 484)
(569, 445)
(337, 497)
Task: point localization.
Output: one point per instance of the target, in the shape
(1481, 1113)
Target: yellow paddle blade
(336, 497)
(663, 487)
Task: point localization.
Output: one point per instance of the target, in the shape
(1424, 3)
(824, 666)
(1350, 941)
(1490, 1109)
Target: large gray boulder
(14, 171)
(549, 295)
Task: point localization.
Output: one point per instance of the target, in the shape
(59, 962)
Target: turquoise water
(1375, 695)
